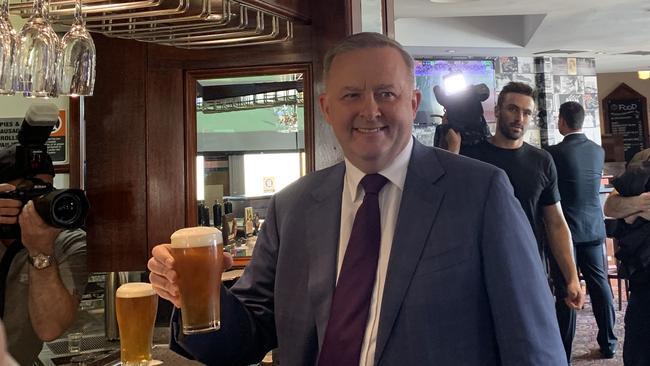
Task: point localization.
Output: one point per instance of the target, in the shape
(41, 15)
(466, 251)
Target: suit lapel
(322, 238)
(418, 210)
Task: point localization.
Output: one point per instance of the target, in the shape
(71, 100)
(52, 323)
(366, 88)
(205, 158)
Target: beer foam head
(200, 236)
(135, 289)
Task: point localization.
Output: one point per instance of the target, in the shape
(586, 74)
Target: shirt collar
(574, 133)
(395, 172)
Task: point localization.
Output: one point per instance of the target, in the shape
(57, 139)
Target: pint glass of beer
(198, 256)
(136, 304)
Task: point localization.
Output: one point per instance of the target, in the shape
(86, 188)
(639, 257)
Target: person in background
(398, 255)
(579, 163)
(641, 156)
(42, 273)
(534, 179)
(630, 203)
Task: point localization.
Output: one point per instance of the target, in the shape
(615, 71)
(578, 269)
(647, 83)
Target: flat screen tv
(430, 72)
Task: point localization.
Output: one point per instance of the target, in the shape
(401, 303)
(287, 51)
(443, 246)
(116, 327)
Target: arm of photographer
(52, 305)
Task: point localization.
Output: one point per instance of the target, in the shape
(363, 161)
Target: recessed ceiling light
(600, 52)
(450, 51)
(450, 1)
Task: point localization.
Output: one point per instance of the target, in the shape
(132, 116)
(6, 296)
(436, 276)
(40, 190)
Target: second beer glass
(136, 304)
(198, 256)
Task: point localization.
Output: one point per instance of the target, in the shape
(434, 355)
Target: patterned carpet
(585, 348)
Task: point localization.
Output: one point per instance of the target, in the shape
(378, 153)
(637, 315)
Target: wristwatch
(41, 261)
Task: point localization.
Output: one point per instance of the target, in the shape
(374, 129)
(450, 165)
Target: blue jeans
(636, 349)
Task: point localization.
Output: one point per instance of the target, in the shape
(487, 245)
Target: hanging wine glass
(7, 50)
(76, 74)
(37, 46)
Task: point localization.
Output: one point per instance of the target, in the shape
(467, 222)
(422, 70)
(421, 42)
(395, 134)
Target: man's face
(370, 102)
(514, 114)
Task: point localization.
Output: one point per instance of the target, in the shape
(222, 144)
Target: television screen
(429, 73)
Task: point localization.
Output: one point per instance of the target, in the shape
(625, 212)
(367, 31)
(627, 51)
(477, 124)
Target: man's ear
(324, 104)
(415, 101)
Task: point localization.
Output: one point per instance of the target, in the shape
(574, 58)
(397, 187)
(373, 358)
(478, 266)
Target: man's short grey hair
(365, 40)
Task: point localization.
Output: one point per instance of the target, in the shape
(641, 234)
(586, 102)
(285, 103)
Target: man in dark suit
(455, 278)
(579, 163)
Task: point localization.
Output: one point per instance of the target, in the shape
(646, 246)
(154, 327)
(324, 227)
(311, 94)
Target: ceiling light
(644, 74)
(450, 51)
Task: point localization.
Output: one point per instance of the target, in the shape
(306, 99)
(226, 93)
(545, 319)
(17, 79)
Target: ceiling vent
(566, 52)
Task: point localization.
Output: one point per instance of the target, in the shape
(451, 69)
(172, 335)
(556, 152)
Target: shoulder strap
(5, 264)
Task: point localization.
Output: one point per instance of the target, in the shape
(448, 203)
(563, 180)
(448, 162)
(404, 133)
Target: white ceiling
(603, 29)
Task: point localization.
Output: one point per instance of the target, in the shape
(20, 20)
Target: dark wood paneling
(296, 50)
(136, 145)
(297, 9)
(333, 24)
(165, 155)
(73, 145)
(116, 155)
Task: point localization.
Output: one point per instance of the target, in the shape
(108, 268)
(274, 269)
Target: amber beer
(136, 304)
(198, 254)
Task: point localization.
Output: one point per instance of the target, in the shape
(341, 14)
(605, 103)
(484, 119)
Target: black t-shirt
(532, 174)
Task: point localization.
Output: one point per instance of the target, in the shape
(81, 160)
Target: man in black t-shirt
(534, 179)
(532, 175)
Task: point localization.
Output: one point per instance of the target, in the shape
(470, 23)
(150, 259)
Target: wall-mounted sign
(56, 144)
(625, 114)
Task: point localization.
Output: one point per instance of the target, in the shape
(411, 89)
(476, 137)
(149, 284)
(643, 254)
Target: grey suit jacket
(464, 285)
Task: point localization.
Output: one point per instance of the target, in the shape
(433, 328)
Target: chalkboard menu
(626, 119)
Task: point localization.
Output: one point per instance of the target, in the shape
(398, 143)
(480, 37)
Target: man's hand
(453, 140)
(643, 214)
(575, 298)
(36, 235)
(642, 202)
(9, 209)
(164, 278)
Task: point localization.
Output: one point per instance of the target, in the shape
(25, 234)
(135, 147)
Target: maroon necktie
(351, 302)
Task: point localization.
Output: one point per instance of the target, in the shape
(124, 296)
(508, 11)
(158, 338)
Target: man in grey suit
(456, 278)
(579, 162)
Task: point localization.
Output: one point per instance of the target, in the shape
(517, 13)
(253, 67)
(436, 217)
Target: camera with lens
(20, 163)
(464, 114)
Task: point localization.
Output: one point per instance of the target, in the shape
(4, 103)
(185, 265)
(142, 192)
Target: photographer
(630, 203)
(42, 270)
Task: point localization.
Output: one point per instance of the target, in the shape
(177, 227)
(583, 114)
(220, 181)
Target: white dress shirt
(389, 203)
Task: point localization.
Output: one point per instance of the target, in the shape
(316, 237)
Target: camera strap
(5, 264)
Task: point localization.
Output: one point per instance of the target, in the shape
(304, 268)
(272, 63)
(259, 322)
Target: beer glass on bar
(198, 256)
(136, 304)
